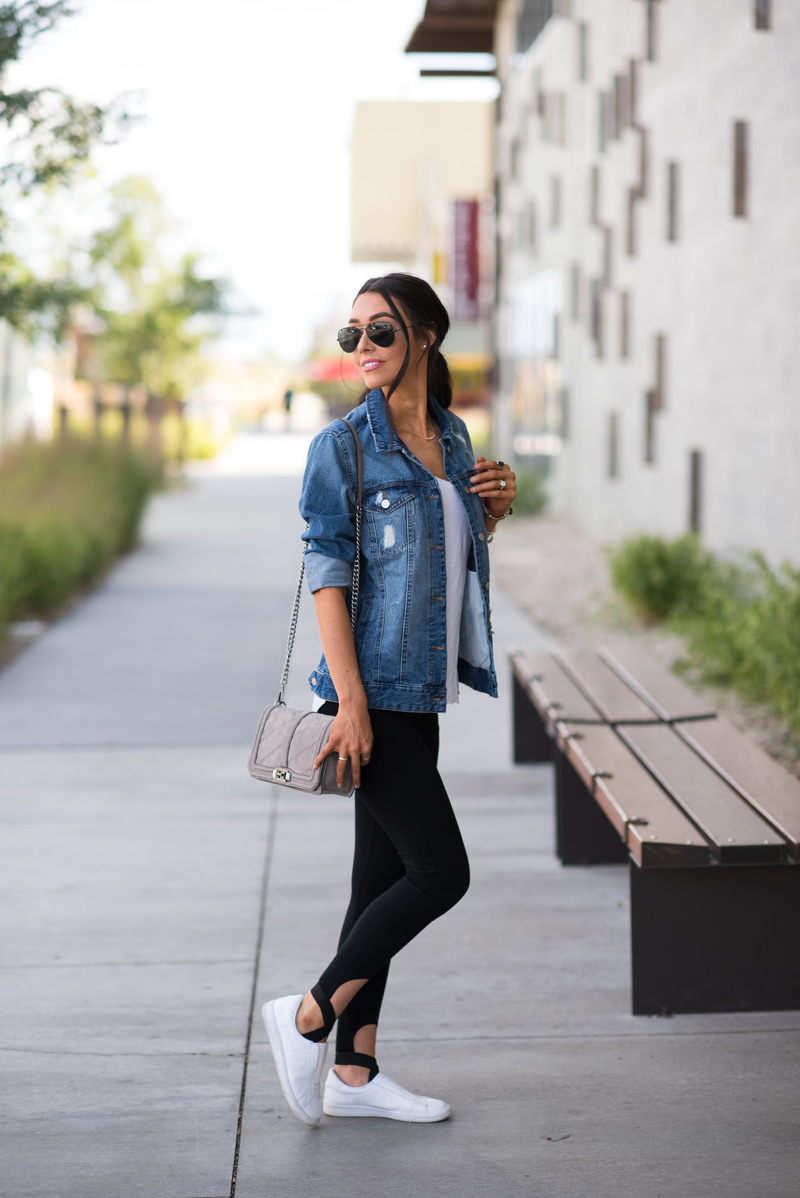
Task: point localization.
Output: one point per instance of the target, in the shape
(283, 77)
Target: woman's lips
(371, 364)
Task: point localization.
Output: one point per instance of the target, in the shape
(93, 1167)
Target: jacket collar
(379, 424)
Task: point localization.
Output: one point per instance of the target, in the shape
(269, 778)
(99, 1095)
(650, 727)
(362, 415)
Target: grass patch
(66, 511)
(740, 621)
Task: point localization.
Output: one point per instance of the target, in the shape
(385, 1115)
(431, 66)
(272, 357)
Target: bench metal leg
(583, 834)
(532, 742)
(719, 938)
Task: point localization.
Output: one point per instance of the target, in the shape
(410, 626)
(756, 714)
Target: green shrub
(65, 512)
(661, 578)
(531, 495)
(740, 621)
(747, 636)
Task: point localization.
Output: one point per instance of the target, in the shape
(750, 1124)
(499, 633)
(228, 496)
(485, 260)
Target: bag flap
(289, 739)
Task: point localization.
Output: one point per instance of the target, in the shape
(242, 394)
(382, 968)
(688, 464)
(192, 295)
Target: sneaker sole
(276, 1044)
(364, 1112)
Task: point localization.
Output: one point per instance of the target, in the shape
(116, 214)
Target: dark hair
(424, 310)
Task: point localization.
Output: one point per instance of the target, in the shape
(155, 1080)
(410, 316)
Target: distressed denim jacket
(401, 632)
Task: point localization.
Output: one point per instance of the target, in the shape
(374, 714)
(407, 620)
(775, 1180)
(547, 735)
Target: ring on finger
(500, 465)
(503, 484)
(365, 760)
(344, 758)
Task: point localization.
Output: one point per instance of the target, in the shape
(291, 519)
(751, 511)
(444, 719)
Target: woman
(423, 625)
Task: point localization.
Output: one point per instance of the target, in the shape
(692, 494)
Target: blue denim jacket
(401, 633)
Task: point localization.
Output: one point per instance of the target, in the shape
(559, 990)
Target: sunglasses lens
(348, 339)
(381, 334)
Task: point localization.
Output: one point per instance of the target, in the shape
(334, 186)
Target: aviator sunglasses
(379, 332)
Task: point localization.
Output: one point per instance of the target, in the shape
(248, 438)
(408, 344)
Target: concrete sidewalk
(155, 896)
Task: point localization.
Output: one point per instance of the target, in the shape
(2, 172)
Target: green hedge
(741, 621)
(66, 510)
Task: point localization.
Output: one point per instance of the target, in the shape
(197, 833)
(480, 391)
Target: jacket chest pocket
(390, 520)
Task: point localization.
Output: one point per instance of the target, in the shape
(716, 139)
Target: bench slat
(763, 781)
(661, 834)
(615, 701)
(668, 697)
(724, 817)
(552, 691)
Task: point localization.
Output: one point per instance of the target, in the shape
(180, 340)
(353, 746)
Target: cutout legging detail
(409, 866)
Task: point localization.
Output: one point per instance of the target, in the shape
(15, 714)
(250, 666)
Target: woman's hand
(351, 737)
(496, 484)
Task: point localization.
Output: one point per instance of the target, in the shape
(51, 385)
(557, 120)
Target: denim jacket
(401, 631)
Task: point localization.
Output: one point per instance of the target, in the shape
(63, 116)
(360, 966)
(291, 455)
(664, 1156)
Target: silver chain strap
(296, 609)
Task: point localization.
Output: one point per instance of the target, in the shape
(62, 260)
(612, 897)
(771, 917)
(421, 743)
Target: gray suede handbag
(287, 742)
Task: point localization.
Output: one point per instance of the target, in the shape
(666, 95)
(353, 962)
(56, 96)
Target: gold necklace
(413, 434)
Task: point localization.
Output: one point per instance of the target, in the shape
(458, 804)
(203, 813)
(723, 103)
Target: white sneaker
(299, 1061)
(381, 1098)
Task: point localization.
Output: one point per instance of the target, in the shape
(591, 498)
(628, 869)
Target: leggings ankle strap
(328, 1015)
(359, 1058)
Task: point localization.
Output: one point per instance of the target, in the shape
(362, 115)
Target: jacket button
(486, 586)
(481, 537)
(467, 487)
(314, 681)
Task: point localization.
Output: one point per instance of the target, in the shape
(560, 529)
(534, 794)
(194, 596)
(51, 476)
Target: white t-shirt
(456, 552)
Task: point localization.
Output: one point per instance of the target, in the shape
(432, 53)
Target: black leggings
(410, 864)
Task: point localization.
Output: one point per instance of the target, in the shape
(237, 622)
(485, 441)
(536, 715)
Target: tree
(51, 136)
(156, 315)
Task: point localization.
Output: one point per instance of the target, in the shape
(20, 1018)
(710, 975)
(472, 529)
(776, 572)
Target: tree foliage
(156, 314)
(50, 136)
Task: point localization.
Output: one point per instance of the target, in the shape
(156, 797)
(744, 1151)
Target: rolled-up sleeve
(327, 503)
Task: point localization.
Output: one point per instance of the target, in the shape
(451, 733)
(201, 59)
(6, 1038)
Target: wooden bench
(647, 773)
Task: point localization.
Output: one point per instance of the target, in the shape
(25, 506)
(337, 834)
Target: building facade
(422, 200)
(648, 228)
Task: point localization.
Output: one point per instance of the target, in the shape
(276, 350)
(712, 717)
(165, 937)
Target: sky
(248, 109)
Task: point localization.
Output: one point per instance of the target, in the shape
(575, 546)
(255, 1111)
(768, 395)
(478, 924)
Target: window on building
(624, 324)
(594, 195)
(555, 201)
(561, 118)
(514, 156)
(563, 413)
(597, 316)
(763, 14)
(630, 230)
(633, 90)
(532, 19)
(740, 172)
(650, 427)
(644, 163)
(661, 370)
(531, 231)
(696, 490)
(583, 52)
(575, 291)
(608, 246)
(612, 445)
(651, 33)
(672, 201)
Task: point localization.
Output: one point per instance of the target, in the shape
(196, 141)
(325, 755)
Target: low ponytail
(440, 380)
